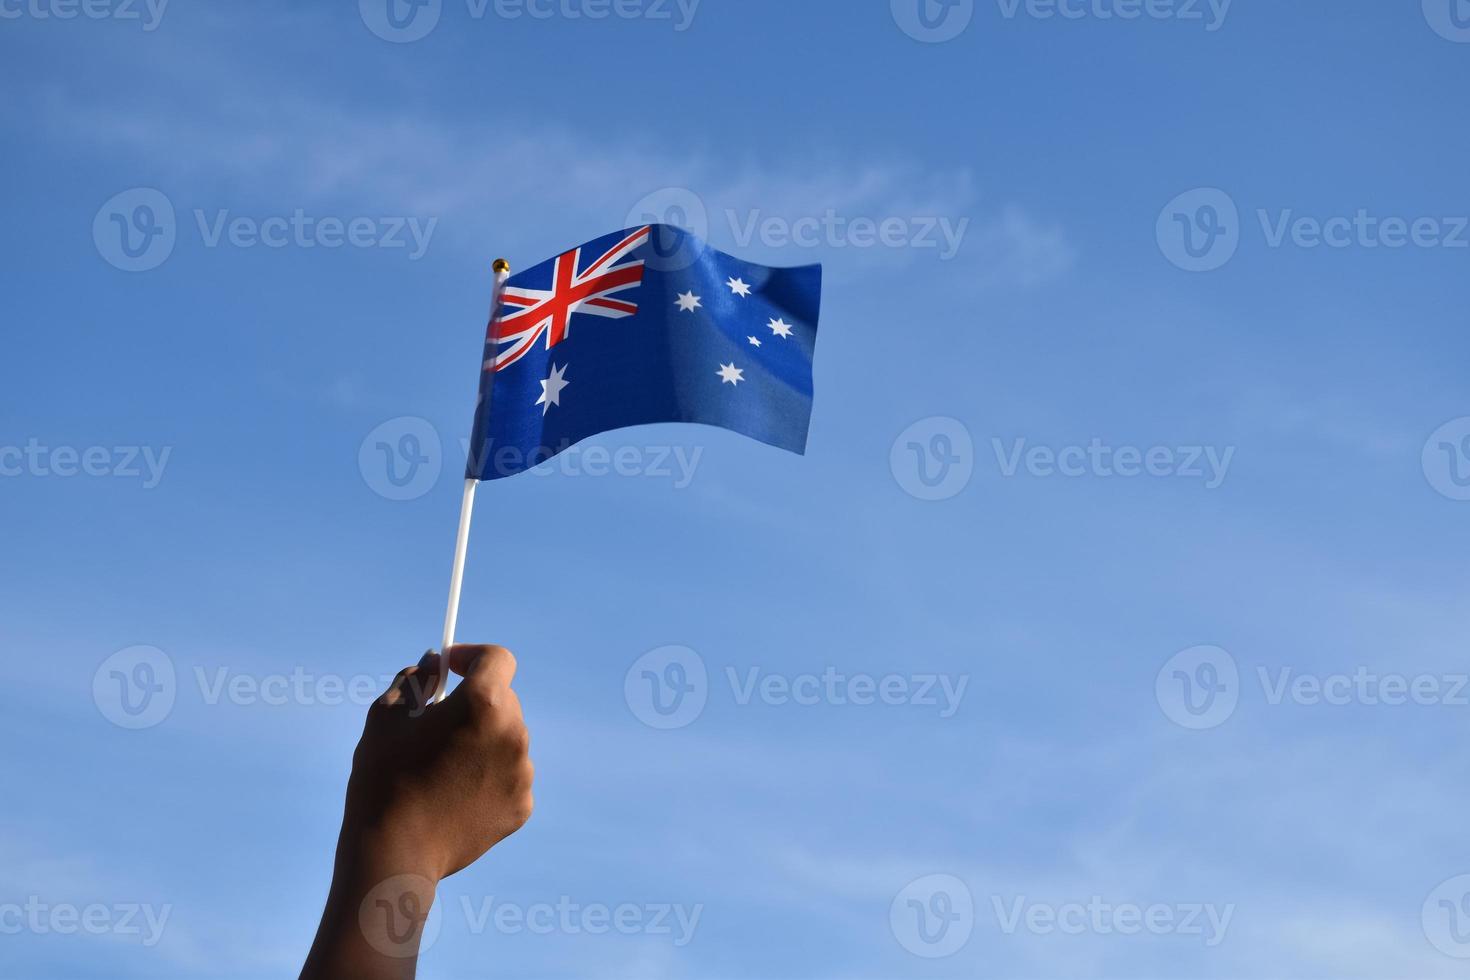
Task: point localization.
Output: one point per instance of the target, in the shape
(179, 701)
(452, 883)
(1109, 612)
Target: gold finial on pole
(501, 266)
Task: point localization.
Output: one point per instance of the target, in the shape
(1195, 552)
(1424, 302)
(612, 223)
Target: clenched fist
(433, 787)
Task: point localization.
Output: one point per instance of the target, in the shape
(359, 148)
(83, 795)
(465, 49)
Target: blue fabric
(664, 363)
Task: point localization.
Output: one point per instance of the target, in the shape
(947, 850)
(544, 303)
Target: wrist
(377, 913)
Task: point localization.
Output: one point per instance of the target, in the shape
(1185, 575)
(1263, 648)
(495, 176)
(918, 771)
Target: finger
(487, 672)
(493, 664)
(413, 687)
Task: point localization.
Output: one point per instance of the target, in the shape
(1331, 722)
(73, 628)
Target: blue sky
(236, 535)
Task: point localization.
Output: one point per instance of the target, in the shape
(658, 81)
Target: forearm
(374, 919)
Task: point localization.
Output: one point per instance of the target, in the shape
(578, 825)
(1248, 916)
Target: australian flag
(645, 325)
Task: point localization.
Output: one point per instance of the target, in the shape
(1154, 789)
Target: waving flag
(645, 325)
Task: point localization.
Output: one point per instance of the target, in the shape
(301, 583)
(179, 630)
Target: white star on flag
(730, 374)
(551, 388)
(688, 302)
(754, 341)
(780, 328)
(739, 287)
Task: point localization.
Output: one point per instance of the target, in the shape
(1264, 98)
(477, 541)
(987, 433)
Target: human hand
(450, 779)
(433, 787)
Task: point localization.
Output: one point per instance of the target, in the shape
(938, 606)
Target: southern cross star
(551, 388)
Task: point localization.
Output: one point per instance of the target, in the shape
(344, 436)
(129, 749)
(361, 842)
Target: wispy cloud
(270, 147)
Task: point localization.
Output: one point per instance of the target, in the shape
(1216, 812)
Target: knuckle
(517, 739)
(482, 697)
(522, 809)
(500, 656)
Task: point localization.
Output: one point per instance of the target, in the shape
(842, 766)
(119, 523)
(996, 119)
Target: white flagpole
(466, 512)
